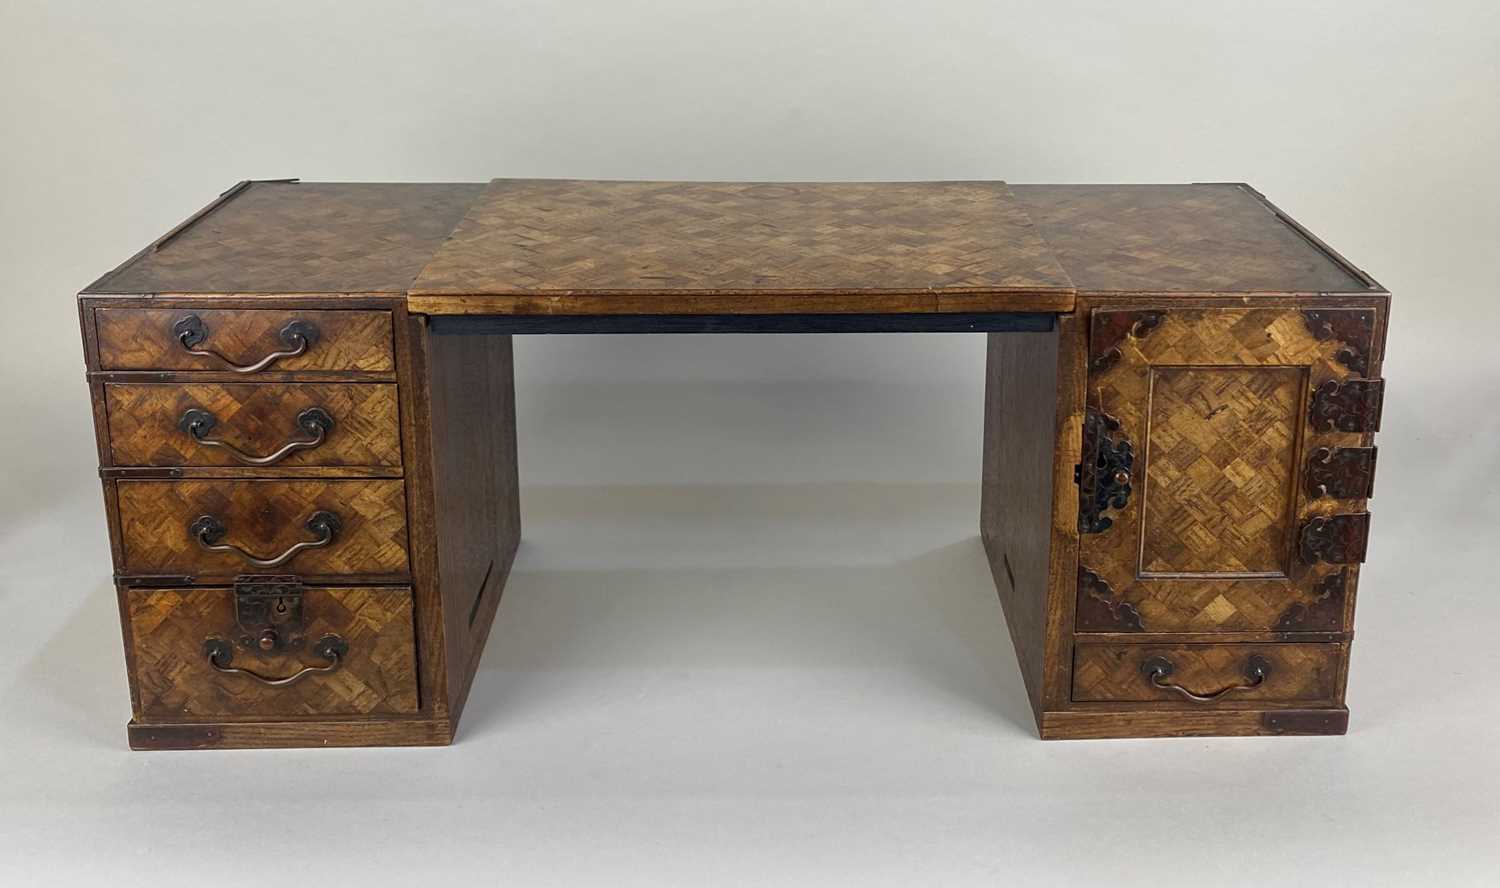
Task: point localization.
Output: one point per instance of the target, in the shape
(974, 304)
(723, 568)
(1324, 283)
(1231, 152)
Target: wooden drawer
(182, 639)
(1258, 673)
(164, 532)
(166, 339)
(247, 424)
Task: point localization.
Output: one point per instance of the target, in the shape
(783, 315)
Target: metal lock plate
(268, 613)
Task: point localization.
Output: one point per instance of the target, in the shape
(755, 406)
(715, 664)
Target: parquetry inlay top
(527, 236)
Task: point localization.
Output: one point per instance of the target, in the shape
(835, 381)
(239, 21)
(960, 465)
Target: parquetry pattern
(257, 418)
(1220, 460)
(174, 679)
(1215, 400)
(264, 517)
(303, 238)
(142, 339)
(1300, 673)
(1197, 238)
(529, 236)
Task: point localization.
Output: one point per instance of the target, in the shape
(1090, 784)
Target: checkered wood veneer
(1214, 401)
(264, 517)
(255, 417)
(1220, 462)
(175, 680)
(142, 339)
(1299, 673)
(566, 236)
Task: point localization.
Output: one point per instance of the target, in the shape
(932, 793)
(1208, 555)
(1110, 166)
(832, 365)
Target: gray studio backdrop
(1373, 123)
(750, 612)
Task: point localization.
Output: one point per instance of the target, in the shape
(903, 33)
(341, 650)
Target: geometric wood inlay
(1220, 460)
(1301, 673)
(1215, 400)
(376, 675)
(527, 236)
(265, 518)
(257, 418)
(142, 339)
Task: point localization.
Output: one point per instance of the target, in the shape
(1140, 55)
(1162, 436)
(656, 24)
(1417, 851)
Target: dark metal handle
(220, 654)
(208, 531)
(1257, 668)
(197, 423)
(297, 336)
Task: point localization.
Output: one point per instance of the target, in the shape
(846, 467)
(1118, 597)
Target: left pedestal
(298, 561)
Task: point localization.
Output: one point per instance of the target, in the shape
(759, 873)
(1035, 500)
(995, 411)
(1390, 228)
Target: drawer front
(372, 671)
(1206, 674)
(254, 424)
(247, 341)
(167, 527)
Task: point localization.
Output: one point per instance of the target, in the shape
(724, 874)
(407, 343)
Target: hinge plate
(1350, 405)
(1340, 473)
(1335, 539)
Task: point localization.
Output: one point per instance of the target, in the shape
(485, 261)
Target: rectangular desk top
(554, 246)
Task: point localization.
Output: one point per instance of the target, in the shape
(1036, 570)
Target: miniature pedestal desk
(305, 411)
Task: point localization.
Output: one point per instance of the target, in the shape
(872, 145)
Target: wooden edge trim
(1062, 586)
(730, 302)
(416, 453)
(289, 734)
(1115, 725)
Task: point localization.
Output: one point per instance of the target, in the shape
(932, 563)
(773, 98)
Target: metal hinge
(1341, 473)
(1335, 539)
(1352, 405)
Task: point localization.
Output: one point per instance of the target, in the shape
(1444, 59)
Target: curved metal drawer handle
(220, 654)
(297, 336)
(208, 531)
(197, 423)
(1257, 668)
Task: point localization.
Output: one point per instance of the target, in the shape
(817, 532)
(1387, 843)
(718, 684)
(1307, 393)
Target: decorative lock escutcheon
(268, 616)
(268, 613)
(1104, 475)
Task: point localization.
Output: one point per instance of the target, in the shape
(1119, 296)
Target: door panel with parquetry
(1198, 434)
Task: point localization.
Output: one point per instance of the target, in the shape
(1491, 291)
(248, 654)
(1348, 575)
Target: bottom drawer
(1206, 674)
(272, 651)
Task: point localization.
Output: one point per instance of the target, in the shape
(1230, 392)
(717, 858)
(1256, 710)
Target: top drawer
(245, 341)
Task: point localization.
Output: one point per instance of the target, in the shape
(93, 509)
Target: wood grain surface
(264, 517)
(275, 237)
(1016, 492)
(142, 339)
(1196, 238)
(174, 678)
(556, 245)
(1299, 673)
(257, 418)
(1200, 565)
(659, 244)
(1214, 402)
(476, 491)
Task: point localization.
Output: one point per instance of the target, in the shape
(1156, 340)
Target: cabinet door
(1225, 468)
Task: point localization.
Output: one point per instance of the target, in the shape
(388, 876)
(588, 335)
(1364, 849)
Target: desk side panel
(477, 514)
(1016, 504)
